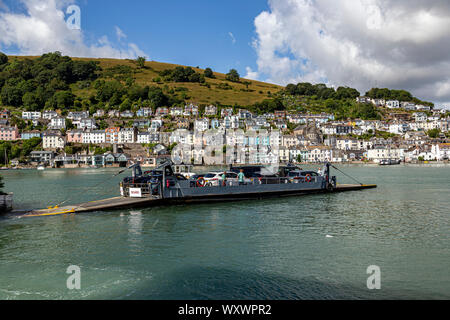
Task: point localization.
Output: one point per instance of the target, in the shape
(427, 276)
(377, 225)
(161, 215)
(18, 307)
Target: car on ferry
(213, 179)
(302, 176)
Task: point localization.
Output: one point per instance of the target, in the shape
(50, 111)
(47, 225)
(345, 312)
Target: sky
(399, 44)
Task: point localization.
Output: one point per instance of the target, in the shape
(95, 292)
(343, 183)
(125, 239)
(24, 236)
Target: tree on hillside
(141, 62)
(434, 133)
(209, 73)
(233, 76)
(69, 124)
(3, 58)
(246, 84)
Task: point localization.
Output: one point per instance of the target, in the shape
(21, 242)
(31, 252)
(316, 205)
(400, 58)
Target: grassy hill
(239, 93)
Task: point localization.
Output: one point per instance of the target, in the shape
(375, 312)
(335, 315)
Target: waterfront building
(143, 137)
(94, 137)
(317, 154)
(74, 136)
(441, 151)
(53, 141)
(42, 156)
(128, 135)
(112, 135)
(383, 152)
(9, 133)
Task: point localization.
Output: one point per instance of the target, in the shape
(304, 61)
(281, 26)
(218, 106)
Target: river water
(309, 247)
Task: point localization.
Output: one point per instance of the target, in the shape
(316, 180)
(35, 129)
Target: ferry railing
(256, 181)
(145, 188)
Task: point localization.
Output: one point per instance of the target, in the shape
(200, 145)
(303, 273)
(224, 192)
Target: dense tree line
(400, 95)
(43, 82)
(321, 91)
(17, 150)
(181, 74)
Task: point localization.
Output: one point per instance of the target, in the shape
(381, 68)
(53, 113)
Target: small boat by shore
(390, 162)
(40, 168)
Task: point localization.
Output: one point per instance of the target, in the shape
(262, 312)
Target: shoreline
(429, 163)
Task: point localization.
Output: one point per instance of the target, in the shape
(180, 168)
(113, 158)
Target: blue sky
(356, 43)
(195, 33)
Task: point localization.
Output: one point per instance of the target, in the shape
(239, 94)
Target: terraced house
(9, 133)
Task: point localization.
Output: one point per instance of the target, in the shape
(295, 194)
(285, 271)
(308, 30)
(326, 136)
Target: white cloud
(120, 34)
(43, 29)
(252, 75)
(400, 44)
(233, 39)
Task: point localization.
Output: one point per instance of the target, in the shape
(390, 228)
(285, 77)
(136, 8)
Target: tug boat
(163, 183)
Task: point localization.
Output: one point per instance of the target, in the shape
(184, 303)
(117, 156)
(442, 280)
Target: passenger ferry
(164, 183)
(164, 186)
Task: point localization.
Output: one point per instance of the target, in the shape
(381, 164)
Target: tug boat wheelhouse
(163, 183)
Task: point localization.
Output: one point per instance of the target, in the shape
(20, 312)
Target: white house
(319, 154)
(380, 153)
(87, 124)
(94, 137)
(49, 115)
(210, 110)
(156, 124)
(176, 111)
(201, 125)
(58, 123)
(441, 151)
(420, 116)
(128, 135)
(52, 140)
(31, 115)
(143, 137)
(393, 104)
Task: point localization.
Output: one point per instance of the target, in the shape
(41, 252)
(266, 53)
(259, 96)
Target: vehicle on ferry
(214, 179)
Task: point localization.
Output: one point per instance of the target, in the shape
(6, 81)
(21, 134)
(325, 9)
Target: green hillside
(215, 90)
(57, 82)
